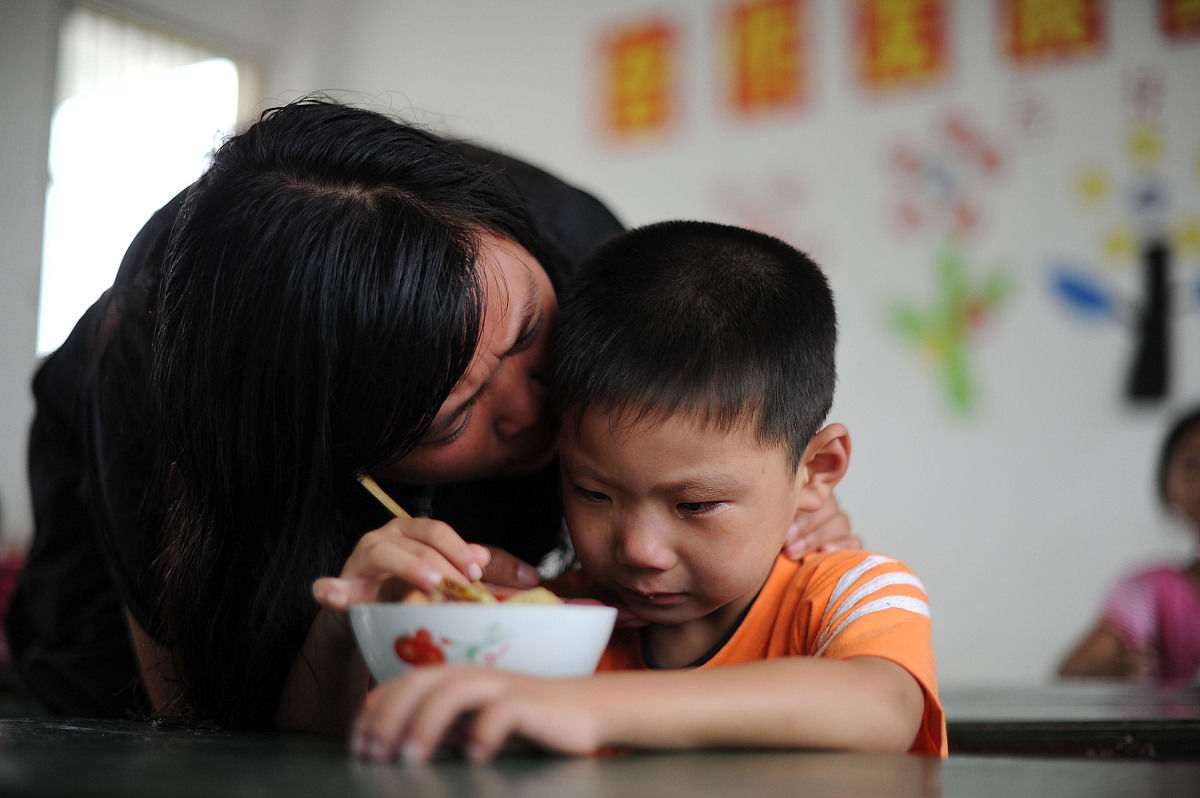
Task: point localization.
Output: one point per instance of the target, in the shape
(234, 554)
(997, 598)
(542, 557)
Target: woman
(339, 292)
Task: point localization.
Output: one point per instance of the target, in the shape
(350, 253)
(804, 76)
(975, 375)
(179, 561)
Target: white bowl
(542, 640)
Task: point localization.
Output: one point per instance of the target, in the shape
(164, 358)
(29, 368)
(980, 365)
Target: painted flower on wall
(937, 195)
(1147, 235)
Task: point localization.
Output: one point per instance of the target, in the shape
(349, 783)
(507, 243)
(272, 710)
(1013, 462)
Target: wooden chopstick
(372, 486)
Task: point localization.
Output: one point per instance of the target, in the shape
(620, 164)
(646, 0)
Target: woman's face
(496, 421)
(1183, 476)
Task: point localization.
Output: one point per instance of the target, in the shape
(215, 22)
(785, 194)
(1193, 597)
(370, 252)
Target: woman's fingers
(505, 570)
(420, 551)
(467, 558)
(827, 529)
(404, 554)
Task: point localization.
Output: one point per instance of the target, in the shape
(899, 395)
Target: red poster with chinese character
(900, 44)
(638, 67)
(766, 42)
(1037, 31)
(1179, 19)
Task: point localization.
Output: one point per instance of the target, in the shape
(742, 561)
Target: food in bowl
(532, 632)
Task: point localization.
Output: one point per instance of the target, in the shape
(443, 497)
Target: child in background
(1149, 629)
(694, 368)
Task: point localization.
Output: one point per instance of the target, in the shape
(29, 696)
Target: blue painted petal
(1082, 292)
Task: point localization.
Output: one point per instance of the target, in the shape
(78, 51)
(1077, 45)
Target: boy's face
(682, 521)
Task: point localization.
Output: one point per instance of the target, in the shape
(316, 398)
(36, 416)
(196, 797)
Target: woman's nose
(522, 403)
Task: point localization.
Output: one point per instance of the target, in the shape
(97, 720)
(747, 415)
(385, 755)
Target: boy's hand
(827, 529)
(412, 715)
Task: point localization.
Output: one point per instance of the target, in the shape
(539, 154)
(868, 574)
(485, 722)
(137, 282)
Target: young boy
(694, 369)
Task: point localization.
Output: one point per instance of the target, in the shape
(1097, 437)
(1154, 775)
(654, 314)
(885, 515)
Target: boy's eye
(696, 508)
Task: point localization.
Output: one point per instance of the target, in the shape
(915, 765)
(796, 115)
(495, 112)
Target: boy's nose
(641, 543)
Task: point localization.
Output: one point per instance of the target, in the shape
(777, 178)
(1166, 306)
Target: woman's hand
(504, 573)
(403, 555)
(827, 529)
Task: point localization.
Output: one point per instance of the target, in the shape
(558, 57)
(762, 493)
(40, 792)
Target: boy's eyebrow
(709, 482)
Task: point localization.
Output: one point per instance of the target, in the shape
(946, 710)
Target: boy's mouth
(656, 598)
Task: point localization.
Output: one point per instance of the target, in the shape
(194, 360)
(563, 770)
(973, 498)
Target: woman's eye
(450, 437)
(590, 495)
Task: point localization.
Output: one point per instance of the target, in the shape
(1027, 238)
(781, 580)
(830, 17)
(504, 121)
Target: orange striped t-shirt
(837, 605)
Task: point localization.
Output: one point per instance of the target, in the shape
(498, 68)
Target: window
(138, 112)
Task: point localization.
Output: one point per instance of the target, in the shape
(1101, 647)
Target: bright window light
(117, 154)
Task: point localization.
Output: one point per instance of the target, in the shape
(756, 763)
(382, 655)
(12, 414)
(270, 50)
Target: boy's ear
(822, 467)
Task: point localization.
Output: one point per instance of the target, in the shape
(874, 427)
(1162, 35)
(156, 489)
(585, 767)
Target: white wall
(1017, 514)
(27, 30)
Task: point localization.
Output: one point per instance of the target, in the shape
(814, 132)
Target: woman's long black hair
(319, 301)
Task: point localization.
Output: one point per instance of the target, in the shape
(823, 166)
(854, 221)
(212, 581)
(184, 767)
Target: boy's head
(693, 367)
(718, 323)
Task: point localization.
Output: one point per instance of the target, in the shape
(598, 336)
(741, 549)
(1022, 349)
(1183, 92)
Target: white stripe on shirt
(908, 603)
(873, 586)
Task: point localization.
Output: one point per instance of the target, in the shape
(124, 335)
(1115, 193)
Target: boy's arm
(866, 703)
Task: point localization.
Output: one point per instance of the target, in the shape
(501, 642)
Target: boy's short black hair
(721, 323)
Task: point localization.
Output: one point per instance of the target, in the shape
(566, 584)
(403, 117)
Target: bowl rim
(452, 607)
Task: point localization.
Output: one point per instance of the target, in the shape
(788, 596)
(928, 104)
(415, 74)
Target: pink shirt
(1157, 611)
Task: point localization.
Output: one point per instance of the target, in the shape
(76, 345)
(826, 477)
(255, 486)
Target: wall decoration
(639, 69)
(1041, 31)
(1179, 19)
(767, 45)
(943, 331)
(938, 197)
(773, 203)
(900, 44)
(1149, 236)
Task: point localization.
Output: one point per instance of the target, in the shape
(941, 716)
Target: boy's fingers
(385, 718)
(493, 725)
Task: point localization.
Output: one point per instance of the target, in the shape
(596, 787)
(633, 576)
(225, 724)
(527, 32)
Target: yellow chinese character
(1047, 25)
(905, 47)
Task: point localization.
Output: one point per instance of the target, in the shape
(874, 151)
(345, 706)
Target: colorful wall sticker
(1150, 237)
(767, 46)
(1179, 19)
(1041, 31)
(639, 66)
(938, 199)
(900, 44)
(774, 202)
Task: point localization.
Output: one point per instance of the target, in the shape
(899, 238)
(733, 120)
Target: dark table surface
(40, 755)
(1076, 718)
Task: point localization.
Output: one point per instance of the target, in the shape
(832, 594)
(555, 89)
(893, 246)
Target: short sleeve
(1129, 612)
(875, 606)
